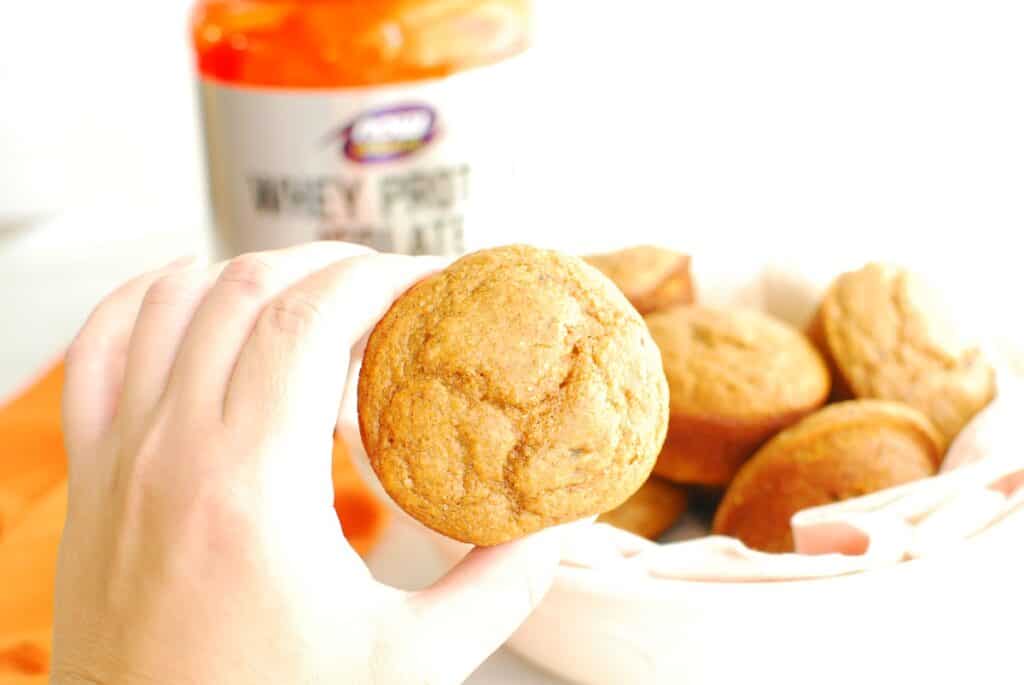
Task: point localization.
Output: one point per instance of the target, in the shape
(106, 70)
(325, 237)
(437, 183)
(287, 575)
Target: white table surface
(52, 274)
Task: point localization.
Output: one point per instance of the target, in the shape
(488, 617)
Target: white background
(773, 124)
(747, 130)
(739, 131)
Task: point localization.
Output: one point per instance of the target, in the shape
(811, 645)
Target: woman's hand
(201, 544)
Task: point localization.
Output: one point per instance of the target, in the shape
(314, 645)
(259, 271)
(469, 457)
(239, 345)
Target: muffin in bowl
(650, 277)
(843, 451)
(886, 336)
(651, 510)
(735, 377)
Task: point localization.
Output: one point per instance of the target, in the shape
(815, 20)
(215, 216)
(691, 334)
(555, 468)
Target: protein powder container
(390, 123)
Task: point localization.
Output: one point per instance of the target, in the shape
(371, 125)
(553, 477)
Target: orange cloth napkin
(33, 491)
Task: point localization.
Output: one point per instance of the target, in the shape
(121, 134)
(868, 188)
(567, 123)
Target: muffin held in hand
(652, 278)
(843, 451)
(516, 389)
(735, 378)
(650, 511)
(887, 337)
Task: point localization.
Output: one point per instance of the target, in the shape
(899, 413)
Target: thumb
(473, 609)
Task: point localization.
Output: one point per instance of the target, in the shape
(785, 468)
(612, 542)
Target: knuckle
(292, 314)
(218, 509)
(226, 517)
(250, 273)
(80, 350)
(168, 289)
(225, 511)
(138, 478)
(93, 339)
(87, 347)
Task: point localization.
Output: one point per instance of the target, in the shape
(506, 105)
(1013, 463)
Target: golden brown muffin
(735, 378)
(517, 389)
(651, 277)
(843, 451)
(886, 336)
(650, 511)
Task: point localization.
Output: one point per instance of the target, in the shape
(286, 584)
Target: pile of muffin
(767, 420)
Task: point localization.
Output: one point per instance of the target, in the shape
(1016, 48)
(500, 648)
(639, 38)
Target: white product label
(419, 168)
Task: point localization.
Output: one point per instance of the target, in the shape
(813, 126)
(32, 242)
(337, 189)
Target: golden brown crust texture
(888, 338)
(515, 390)
(652, 278)
(845, 450)
(735, 378)
(650, 511)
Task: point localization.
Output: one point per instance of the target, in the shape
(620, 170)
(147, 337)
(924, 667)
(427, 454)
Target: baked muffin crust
(515, 390)
(843, 451)
(887, 336)
(735, 378)
(651, 278)
(650, 511)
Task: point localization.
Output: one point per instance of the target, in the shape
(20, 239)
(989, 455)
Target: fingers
(470, 612)
(291, 374)
(167, 309)
(225, 318)
(95, 361)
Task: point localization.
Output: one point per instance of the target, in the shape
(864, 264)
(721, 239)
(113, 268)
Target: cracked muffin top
(888, 337)
(515, 390)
